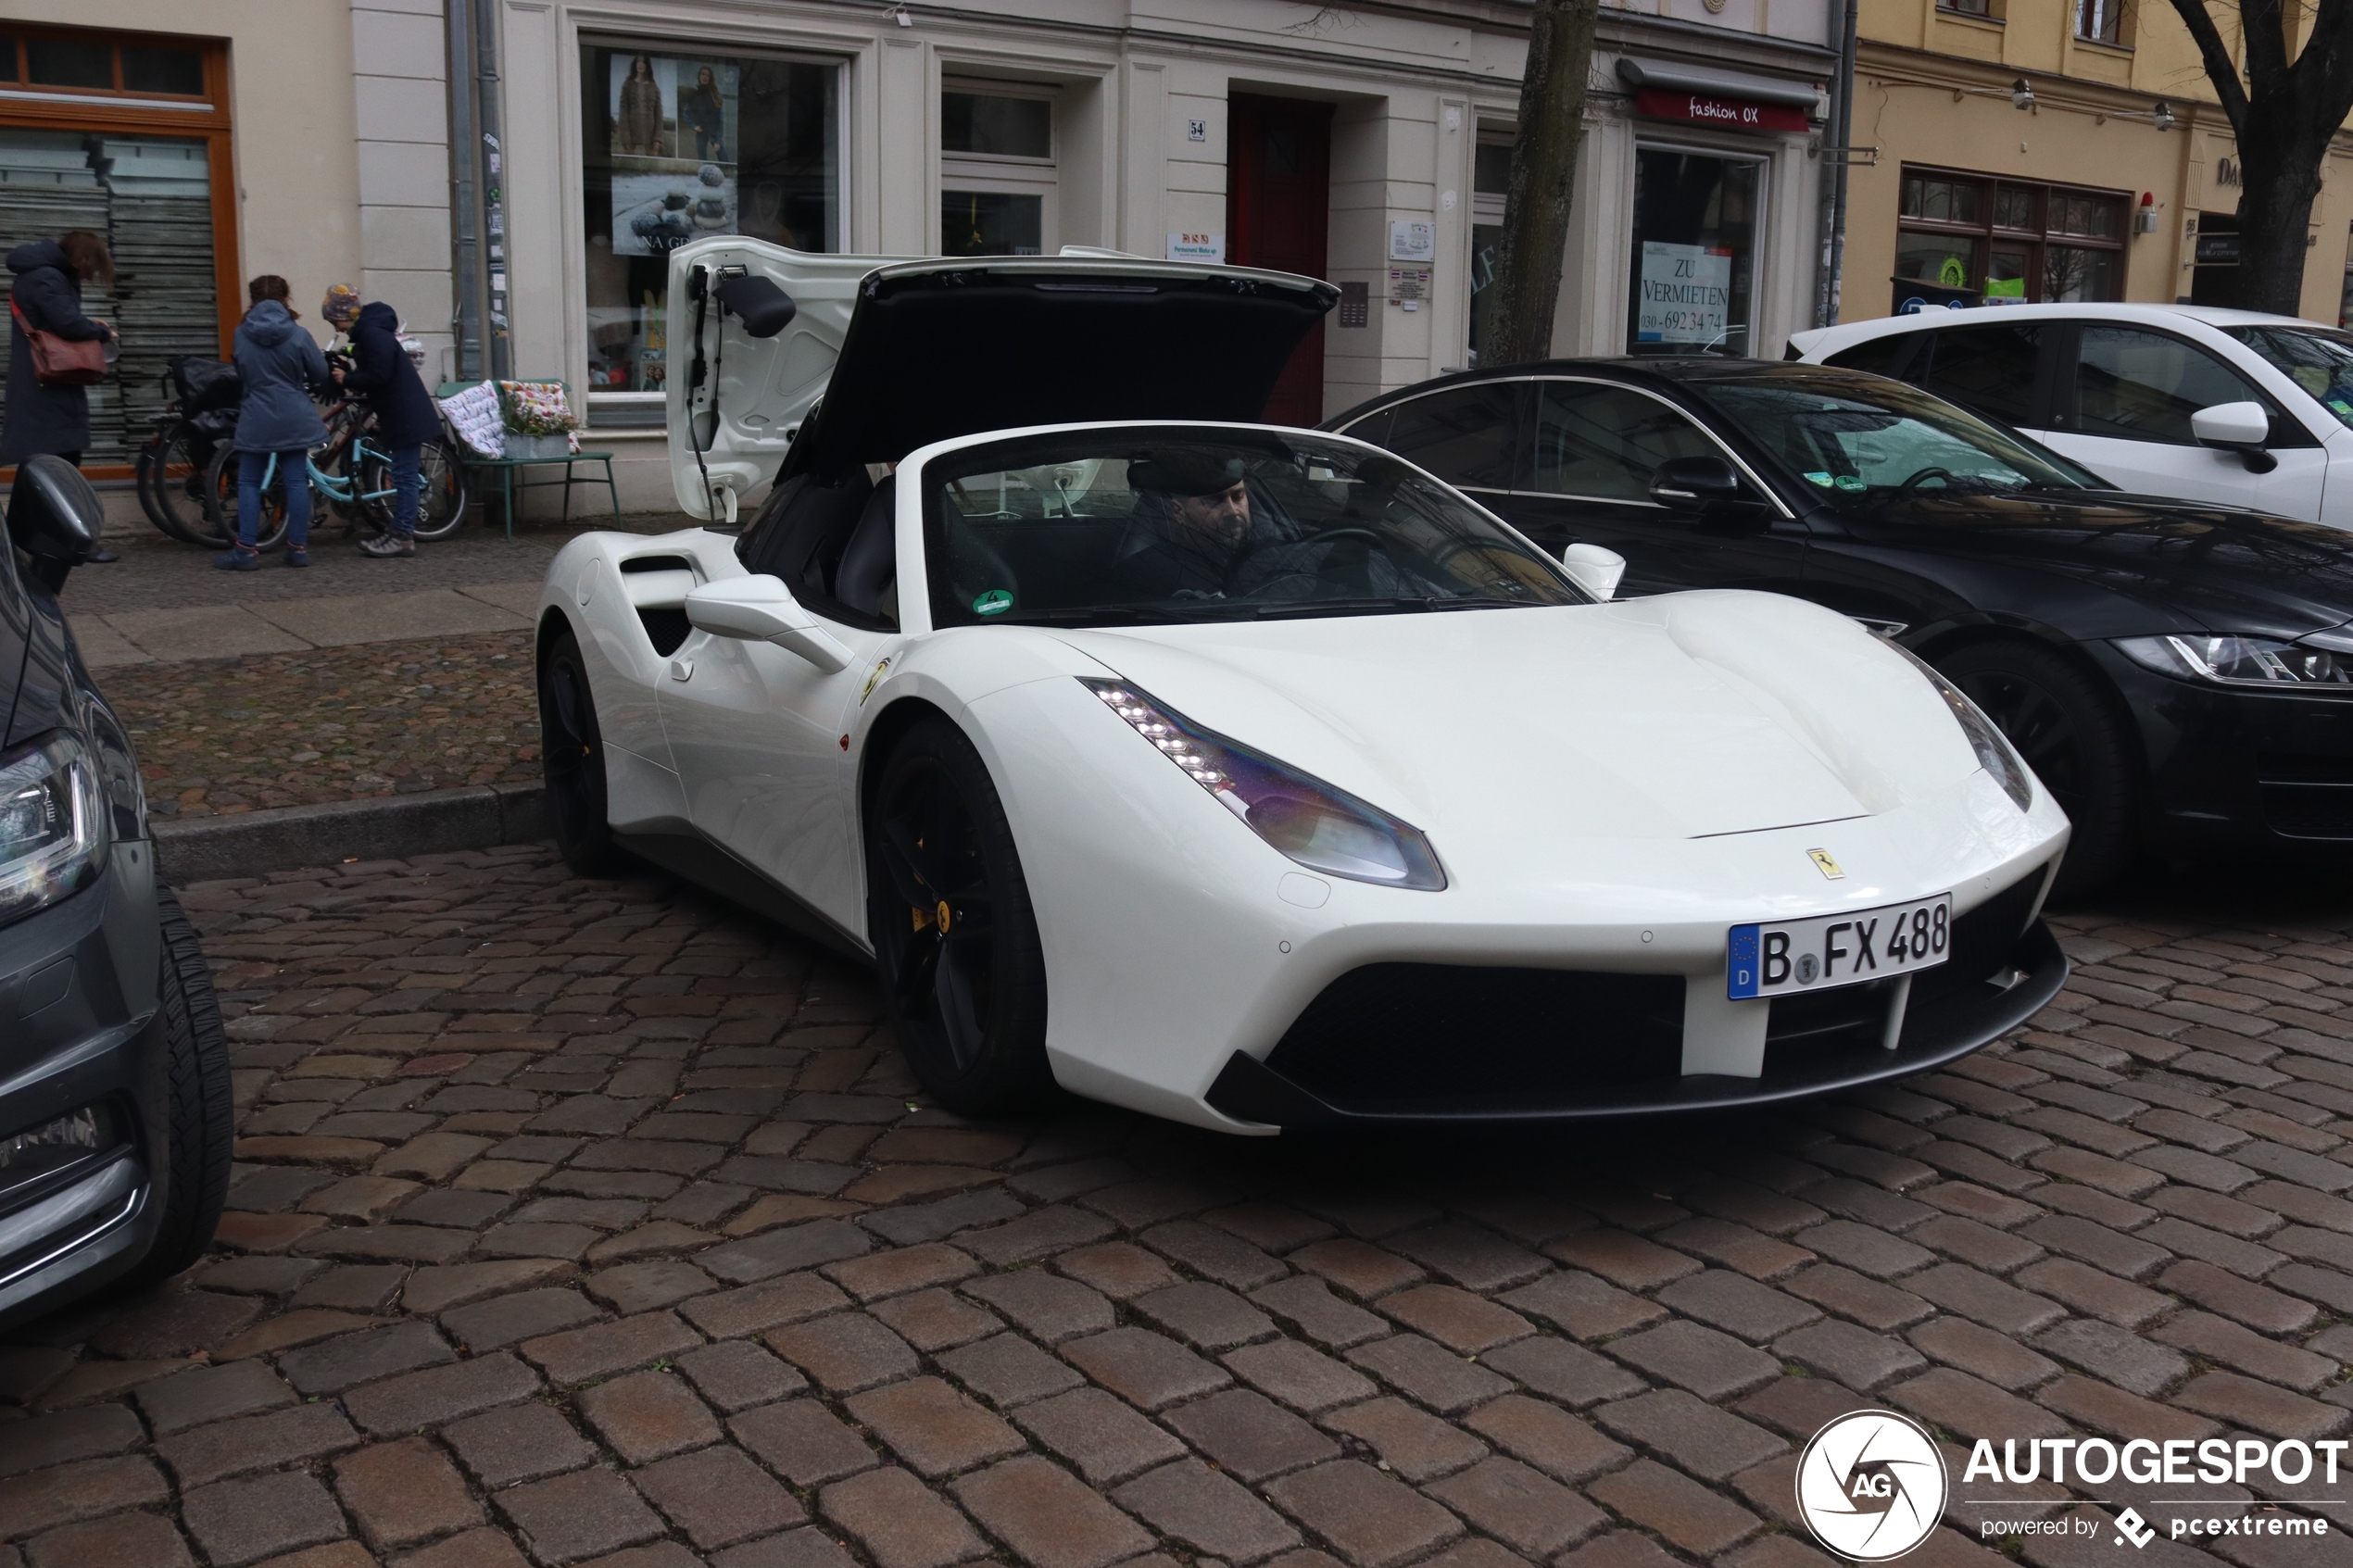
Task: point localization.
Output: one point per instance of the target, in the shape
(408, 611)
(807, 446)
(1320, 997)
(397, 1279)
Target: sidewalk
(163, 602)
(220, 631)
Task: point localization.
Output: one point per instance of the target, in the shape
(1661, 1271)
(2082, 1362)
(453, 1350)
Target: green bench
(473, 463)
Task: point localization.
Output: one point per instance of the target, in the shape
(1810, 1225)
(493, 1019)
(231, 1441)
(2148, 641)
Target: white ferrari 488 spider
(1249, 776)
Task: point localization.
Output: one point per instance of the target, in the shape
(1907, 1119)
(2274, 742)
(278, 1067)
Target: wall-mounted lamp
(2162, 116)
(901, 15)
(2021, 93)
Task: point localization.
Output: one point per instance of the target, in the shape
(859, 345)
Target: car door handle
(682, 668)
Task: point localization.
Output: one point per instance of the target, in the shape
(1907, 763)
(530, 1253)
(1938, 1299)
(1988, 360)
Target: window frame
(636, 409)
(1005, 174)
(206, 117)
(1987, 232)
(1759, 228)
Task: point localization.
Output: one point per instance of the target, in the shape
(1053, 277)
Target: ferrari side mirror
(2243, 428)
(1593, 569)
(760, 608)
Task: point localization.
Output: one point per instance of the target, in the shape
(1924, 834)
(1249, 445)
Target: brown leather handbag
(61, 361)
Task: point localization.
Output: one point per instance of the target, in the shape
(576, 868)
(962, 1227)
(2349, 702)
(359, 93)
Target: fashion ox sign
(1706, 109)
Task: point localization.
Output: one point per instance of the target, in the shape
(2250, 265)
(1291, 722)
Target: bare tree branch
(2222, 71)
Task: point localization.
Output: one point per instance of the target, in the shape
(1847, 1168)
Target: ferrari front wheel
(964, 974)
(571, 753)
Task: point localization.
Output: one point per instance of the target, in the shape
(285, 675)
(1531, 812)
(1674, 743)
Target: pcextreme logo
(1872, 1485)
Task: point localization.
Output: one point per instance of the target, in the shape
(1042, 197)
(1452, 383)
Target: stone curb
(381, 828)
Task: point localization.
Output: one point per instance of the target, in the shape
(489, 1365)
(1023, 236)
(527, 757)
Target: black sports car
(115, 1109)
(2180, 676)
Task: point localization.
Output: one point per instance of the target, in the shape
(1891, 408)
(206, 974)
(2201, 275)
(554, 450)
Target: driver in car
(1190, 526)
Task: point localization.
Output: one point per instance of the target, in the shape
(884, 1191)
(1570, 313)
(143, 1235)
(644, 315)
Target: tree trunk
(2275, 215)
(1543, 177)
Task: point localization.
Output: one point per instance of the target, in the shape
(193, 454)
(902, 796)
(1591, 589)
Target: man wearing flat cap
(1192, 522)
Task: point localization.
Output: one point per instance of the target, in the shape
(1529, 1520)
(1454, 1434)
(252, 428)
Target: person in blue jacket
(383, 374)
(279, 363)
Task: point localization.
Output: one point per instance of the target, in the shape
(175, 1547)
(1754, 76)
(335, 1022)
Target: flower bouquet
(539, 420)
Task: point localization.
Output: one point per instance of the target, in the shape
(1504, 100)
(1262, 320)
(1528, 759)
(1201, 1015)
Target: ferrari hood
(1683, 716)
(884, 355)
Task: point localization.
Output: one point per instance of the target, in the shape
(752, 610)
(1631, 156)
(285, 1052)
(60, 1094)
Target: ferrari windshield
(2315, 358)
(1113, 527)
(1863, 440)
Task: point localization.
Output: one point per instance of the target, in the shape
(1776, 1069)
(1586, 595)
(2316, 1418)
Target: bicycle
(354, 482)
(200, 413)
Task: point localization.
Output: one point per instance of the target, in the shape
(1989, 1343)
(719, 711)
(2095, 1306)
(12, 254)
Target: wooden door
(1279, 215)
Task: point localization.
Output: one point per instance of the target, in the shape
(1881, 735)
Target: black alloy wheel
(572, 752)
(2069, 729)
(955, 940)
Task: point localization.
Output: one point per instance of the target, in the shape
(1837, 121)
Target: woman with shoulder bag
(50, 413)
(279, 364)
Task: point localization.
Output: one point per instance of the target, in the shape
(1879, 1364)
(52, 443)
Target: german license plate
(1775, 959)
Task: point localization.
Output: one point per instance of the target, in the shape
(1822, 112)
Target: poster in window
(674, 151)
(1686, 294)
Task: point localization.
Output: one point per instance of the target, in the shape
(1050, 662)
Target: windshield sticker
(1850, 482)
(996, 601)
(1820, 477)
(2343, 409)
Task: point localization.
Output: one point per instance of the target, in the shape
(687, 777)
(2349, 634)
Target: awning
(1719, 83)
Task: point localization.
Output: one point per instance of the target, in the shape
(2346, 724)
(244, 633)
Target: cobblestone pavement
(593, 1223)
(288, 729)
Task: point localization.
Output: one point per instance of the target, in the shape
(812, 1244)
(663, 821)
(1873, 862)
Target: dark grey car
(115, 1121)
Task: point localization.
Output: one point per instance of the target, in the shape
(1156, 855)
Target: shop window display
(679, 145)
(1694, 253)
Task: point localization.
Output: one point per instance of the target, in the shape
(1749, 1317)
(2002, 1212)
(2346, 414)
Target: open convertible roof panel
(939, 349)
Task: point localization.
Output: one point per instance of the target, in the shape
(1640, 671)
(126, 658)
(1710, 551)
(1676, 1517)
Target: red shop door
(1279, 215)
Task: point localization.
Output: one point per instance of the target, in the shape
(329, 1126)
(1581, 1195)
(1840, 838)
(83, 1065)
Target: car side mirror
(1695, 484)
(760, 608)
(1593, 569)
(54, 517)
(2243, 428)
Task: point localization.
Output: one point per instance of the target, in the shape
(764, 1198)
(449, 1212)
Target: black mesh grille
(1435, 1038)
(2306, 795)
(1432, 1033)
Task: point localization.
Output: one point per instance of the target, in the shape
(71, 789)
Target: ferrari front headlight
(2243, 661)
(1995, 753)
(53, 825)
(1322, 828)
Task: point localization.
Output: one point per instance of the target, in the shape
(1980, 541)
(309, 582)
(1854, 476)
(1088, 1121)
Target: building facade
(2053, 150)
(512, 175)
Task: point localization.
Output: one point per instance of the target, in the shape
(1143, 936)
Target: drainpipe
(465, 318)
(1842, 130)
(491, 164)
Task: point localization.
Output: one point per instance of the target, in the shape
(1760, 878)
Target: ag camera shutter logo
(1872, 1485)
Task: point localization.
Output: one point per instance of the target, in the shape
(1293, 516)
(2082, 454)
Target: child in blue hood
(406, 417)
(279, 364)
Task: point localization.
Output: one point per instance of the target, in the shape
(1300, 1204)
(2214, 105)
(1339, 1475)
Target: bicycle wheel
(442, 505)
(172, 477)
(220, 504)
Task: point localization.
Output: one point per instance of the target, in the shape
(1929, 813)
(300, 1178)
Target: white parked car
(1243, 775)
(2226, 407)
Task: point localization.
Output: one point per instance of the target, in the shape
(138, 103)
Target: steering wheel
(1234, 567)
(1923, 477)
